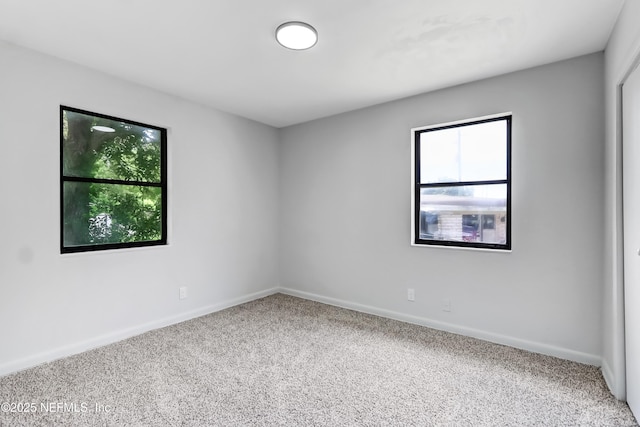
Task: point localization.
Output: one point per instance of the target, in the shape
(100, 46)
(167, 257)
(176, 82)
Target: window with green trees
(113, 182)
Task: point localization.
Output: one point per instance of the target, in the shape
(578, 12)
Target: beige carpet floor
(286, 361)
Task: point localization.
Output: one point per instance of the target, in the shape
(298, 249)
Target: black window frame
(418, 185)
(162, 185)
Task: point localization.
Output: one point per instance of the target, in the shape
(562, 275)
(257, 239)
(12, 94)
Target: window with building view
(462, 184)
(113, 182)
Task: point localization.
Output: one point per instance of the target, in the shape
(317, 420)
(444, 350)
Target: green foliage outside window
(113, 184)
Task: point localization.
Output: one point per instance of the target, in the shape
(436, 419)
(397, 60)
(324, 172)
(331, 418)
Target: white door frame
(630, 243)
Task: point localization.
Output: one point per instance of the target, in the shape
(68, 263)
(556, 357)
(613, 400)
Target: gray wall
(622, 52)
(345, 214)
(329, 200)
(223, 195)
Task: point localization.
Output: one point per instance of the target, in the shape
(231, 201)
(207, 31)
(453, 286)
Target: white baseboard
(535, 347)
(607, 373)
(102, 340)
(617, 387)
(69, 350)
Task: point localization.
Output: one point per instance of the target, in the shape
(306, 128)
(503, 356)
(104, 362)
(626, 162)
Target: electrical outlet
(411, 294)
(183, 292)
(446, 304)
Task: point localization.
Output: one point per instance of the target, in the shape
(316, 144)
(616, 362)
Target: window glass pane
(466, 153)
(475, 213)
(96, 147)
(110, 213)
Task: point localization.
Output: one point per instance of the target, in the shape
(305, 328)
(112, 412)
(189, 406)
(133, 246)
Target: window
(113, 182)
(462, 184)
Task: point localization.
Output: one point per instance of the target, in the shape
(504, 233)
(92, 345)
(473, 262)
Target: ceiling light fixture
(103, 129)
(296, 35)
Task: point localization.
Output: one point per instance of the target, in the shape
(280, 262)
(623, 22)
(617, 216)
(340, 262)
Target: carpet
(285, 361)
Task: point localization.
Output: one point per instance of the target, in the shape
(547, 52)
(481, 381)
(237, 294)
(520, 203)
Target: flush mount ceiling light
(296, 35)
(103, 129)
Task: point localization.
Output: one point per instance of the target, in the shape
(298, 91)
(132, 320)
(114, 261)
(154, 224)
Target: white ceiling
(223, 53)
